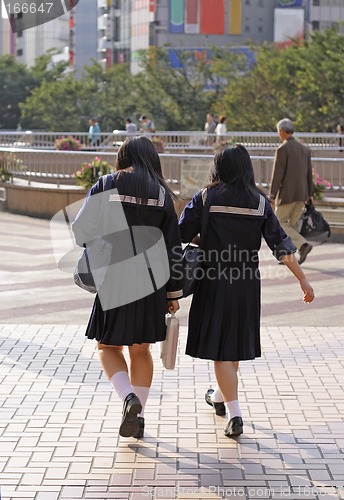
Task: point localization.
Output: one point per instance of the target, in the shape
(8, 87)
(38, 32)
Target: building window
(19, 52)
(247, 29)
(315, 25)
(260, 3)
(316, 3)
(19, 34)
(247, 2)
(260, 29)
(117, 29)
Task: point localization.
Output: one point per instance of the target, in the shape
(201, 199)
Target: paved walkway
(59, 418)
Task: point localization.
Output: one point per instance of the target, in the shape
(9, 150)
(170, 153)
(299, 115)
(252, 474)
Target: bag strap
(205, 214)
(103, 181)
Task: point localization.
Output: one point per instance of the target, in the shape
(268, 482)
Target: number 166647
(29, 8)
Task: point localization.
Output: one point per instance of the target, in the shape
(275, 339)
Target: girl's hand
(307, 291)
(172, 306)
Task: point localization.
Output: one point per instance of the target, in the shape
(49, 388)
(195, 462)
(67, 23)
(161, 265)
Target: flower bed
(90, 172)
(67, 144)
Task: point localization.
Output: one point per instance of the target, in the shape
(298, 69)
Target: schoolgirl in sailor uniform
(224, 318)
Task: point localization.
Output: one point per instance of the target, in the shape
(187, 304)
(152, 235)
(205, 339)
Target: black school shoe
(234, 427)
(141, 430)
(130, 421)
(219, 408)
(304, 251)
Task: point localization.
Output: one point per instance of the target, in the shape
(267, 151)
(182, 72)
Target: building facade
(83, 34)
(72, 33)
(114, 31)
(324, 14)
(129, 26)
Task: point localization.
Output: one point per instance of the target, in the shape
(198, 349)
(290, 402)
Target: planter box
(37, 199)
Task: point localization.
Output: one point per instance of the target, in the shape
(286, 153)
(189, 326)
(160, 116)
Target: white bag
(168, 348)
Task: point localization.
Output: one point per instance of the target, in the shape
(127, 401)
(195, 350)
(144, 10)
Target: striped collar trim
(241, 210)
(152, 202)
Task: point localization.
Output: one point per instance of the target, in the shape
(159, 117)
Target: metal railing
(171, 140)
(184, 172)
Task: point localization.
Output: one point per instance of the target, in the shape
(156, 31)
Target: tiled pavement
(59, 418)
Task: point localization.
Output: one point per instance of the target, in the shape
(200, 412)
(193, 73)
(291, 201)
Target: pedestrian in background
(340, 132)
(224, 318)
(221, 131)
(291, 184)
(147, 201)
(146, 125)
(94, 133)
(130, 127)
(209, 128)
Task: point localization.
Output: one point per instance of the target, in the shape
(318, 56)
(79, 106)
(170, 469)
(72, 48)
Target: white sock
(142, 393)
(121, 384)
(233, 409)
(217, 397)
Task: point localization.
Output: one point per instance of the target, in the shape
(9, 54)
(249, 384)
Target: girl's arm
(292, 264)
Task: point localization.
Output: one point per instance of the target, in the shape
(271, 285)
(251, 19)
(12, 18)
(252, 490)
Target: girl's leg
(141, 371)
(112, 359)
(115, 367)
(227, 380)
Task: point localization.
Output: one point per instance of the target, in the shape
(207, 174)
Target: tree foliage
(302, 82)
(16, 84)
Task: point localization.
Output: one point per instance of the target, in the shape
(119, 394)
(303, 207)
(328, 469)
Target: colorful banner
(176, 8)
(152, 5)
(213, 17)
(289, 3)
(235, 17)
(192, 16)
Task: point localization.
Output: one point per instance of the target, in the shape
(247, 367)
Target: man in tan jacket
(291, 184)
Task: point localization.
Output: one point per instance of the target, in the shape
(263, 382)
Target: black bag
(192, 257)
(92, 266)
(90, 277)
(192, 268)
(312, 225)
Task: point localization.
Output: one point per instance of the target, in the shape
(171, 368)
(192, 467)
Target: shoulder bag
(192, 256)
(98, 252)
(312, 225)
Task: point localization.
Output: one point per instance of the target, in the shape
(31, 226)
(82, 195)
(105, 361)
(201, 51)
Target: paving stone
(59, 418)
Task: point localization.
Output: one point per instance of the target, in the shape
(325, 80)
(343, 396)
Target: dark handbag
(312, 225)
(88, 276)
(193, 257)
(92, 266)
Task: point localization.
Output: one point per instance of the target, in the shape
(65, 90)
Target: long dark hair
(233, 167)
(140, 154)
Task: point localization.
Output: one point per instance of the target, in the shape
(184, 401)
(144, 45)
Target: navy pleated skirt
(224, 320)
(142, 321)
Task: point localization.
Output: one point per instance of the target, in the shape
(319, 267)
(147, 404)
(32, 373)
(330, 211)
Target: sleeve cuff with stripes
(175, 295)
